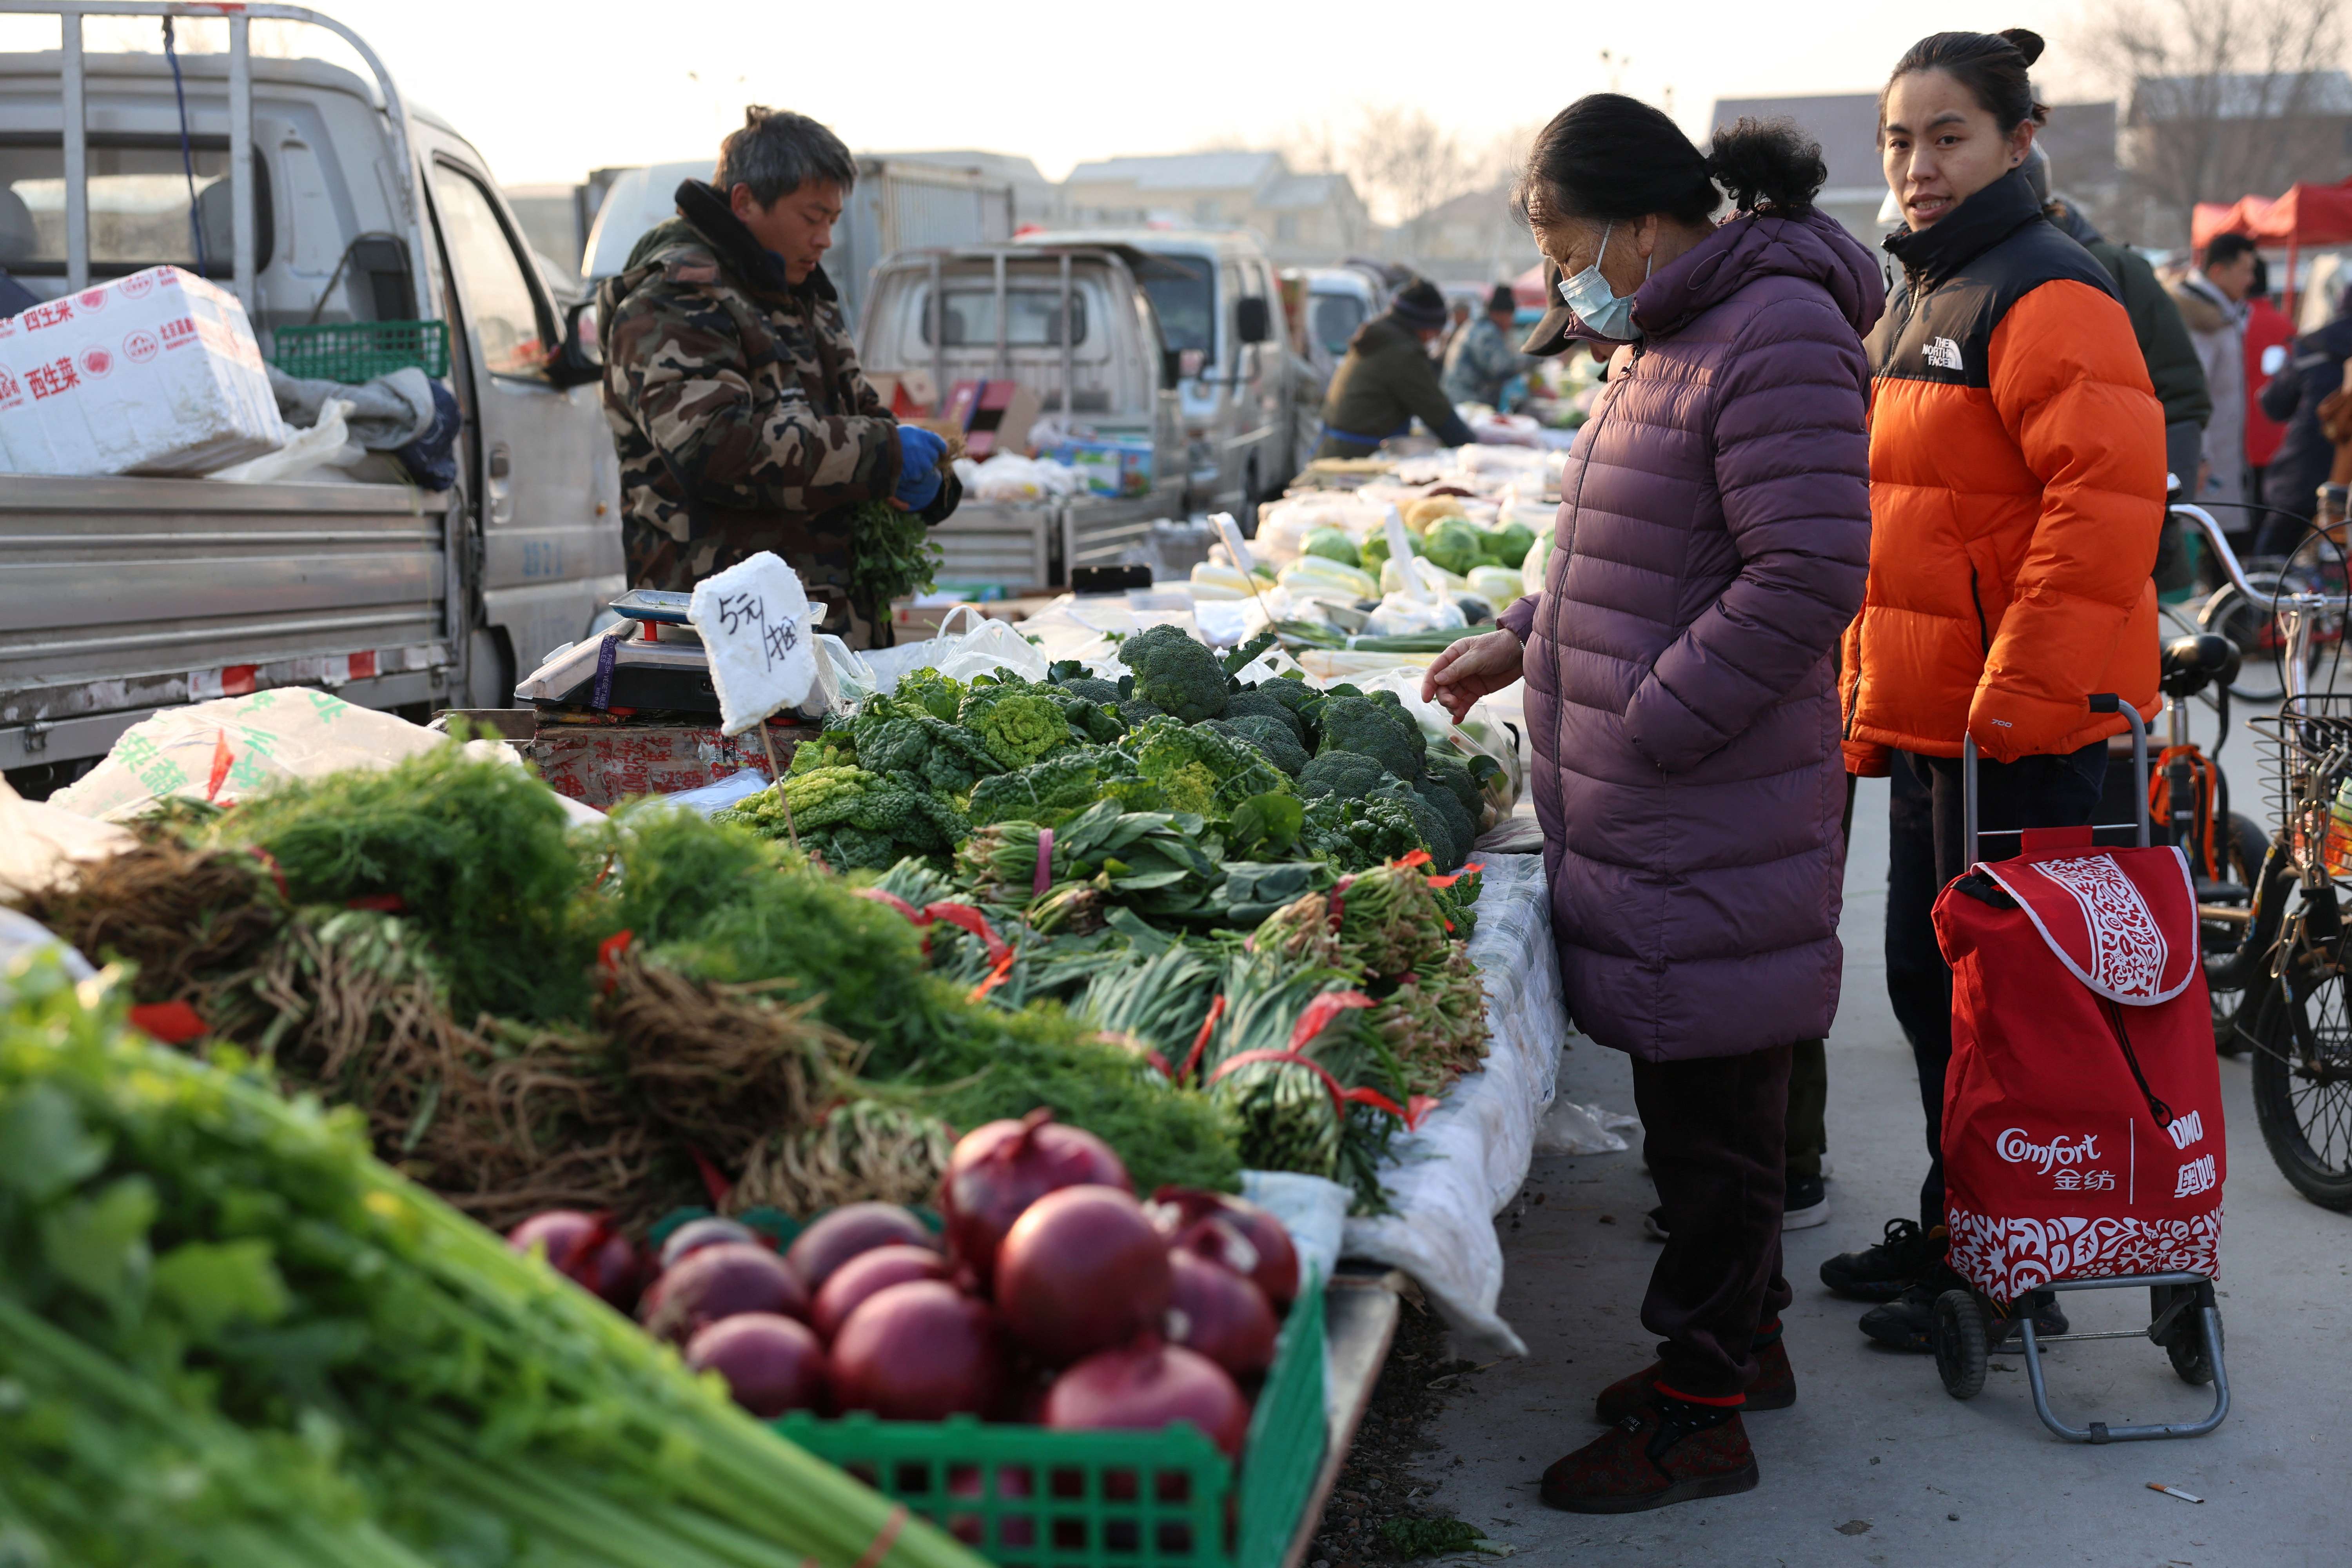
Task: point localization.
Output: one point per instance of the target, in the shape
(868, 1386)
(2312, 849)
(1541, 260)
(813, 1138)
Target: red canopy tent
(2306, 215)
(1527, 288)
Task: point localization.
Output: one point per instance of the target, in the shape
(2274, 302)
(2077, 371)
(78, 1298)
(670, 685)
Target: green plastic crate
(1024, 1496)
(354, 351)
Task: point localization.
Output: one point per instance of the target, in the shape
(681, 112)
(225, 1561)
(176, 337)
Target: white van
(1219, 311)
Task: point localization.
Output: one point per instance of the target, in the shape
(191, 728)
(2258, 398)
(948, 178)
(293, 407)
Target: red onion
(697, 1234)
(1012, 1483)
(849, 1230)
(865, 1275)
(585, 1248)
(1081, 1270)
(917, 1352)
(719, 1282)
(1234, 1232)
(1220, 1314)
(1000, 1169)
(772, 1363)
(1145, 1386)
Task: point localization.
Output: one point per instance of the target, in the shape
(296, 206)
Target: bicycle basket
(2306, 751)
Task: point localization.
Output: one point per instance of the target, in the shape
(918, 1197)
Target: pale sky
(547, 92)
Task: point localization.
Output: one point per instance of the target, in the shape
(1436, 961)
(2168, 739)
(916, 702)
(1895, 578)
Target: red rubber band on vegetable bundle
(1449, 881)
(892, 901)
(1045, 877)
(995, 977)
(174, 1022)
(713, 1182)
(1340, 899)
(269, 864)
(885, 1538)
(966, 918)
(1418, 857)
(1320, 1011)
(608, 956)
(1200, 1040)
(223, 760)
(382, 903)
(1341, 1098)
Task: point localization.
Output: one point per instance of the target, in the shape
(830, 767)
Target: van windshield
(1032, 317)
(1336, 319)
(1187, 311)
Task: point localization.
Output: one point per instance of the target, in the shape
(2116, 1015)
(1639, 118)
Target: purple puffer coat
(1712, 538)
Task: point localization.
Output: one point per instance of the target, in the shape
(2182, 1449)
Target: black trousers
(1714, 1134)
(1925, 849)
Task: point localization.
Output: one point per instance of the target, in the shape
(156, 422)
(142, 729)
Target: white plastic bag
(1572, 1128)
(1402, 611)
(40, 845)
(327, 443)
(983, 646)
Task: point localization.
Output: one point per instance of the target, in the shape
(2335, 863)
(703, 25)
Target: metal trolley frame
(2182, 1316)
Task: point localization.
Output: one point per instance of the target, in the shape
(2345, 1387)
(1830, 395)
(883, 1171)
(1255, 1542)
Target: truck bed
(122, 596)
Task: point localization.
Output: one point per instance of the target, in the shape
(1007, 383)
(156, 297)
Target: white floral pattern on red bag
(2006, 1257)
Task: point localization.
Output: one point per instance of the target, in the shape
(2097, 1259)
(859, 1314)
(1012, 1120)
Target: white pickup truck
(119, 597)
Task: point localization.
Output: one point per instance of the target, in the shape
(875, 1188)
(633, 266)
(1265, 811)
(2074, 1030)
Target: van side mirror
(581, 360)
(1253, 321)
(1171, 369)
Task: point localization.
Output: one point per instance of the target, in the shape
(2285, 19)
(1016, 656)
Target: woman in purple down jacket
(1712, 543)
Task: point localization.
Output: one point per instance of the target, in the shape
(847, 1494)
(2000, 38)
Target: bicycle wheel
(2303, 1079)
(2234, 951)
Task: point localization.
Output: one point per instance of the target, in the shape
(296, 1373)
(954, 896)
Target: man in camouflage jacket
(742, 420)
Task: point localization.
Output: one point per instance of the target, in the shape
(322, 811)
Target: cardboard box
(994, 416)
(911, 395)
(153, 374)
(602, 764)
(1107, 467)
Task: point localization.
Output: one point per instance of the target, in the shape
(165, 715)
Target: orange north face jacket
(2016, 494)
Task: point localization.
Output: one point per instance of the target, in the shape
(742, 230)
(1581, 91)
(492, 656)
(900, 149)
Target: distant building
(1036, 200)
(1300, 218)
(2216, 138)
(1476, 237)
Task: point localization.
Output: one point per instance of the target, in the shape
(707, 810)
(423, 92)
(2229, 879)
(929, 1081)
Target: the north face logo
(1943, 353)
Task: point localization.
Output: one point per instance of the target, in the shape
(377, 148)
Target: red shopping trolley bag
(2083, 1107)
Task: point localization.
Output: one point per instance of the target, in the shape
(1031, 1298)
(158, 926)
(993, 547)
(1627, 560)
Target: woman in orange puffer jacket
(2017, 480)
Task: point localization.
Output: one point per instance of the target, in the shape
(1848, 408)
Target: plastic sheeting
(1449, 1179)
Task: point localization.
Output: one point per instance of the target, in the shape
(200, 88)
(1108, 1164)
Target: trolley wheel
(1959, 1341)
(2185, 1343)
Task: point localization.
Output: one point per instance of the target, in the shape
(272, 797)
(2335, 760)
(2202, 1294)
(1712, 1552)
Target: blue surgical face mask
(1596, 304)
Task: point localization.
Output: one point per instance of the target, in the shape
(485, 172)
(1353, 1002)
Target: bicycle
(2296, 1015)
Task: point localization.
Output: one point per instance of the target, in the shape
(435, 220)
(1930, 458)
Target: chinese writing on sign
(738, 612)
(49, 380)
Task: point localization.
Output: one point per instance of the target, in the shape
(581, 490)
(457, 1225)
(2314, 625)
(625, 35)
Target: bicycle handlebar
(2219, 545)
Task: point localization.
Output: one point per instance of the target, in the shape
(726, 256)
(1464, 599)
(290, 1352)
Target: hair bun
(2029, 44)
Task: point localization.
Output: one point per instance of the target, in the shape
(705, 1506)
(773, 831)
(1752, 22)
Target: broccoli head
(1091, 689)
(1452, 773)
(1175, 674)
(1134, 711)
(1050, 792)
(1356, 835)
(1016, 721)
(1381, 731)
(1461, 828)
(1350, 775)
(1270, 736)
(1199, 770)
(1258, 702)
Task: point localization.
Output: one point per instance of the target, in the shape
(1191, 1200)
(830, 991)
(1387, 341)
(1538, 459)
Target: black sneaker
(1807, 1205)
(1909, 1322)
(1879, 1273)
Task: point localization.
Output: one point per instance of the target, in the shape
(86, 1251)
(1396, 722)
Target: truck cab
(1220, 306)
(320, 197)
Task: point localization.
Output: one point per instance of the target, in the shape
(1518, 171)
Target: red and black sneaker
(1667, 1451)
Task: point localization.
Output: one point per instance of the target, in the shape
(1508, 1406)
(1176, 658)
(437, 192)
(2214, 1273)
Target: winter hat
(1420, 306)
(1502, 302)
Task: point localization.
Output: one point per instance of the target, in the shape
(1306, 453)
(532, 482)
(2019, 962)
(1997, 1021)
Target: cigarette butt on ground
(2173, 1491)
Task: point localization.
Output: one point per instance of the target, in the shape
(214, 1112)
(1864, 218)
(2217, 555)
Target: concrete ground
(1875, 1465)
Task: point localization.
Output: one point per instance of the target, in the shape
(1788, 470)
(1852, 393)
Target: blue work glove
(918, 467)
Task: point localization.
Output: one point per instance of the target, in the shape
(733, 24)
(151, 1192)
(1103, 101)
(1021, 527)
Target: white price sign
(760, 630)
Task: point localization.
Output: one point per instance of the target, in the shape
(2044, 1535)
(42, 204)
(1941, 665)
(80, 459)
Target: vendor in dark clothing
(1388, 380)
(2290, 483)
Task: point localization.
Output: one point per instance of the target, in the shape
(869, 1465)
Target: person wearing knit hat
(1481, 362)
(1388, 380)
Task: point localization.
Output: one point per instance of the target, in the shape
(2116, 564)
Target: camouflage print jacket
(735, 398)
